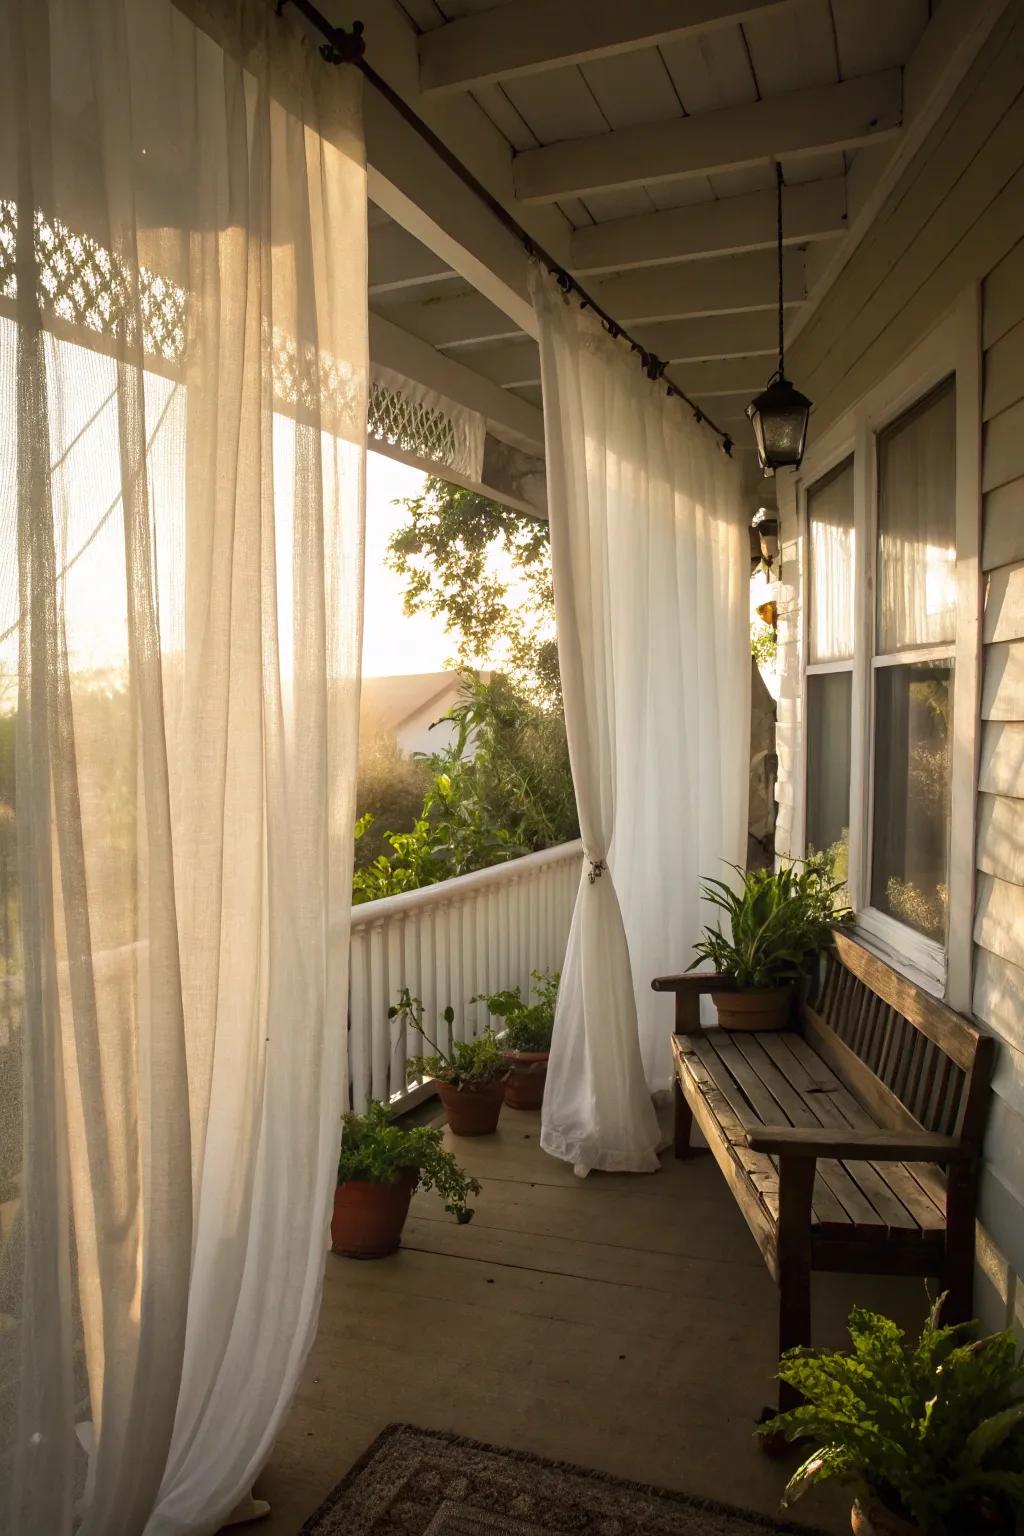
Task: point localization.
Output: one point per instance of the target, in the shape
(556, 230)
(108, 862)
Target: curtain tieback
(596, 870)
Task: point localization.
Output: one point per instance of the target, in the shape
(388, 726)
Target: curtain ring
(596, 870)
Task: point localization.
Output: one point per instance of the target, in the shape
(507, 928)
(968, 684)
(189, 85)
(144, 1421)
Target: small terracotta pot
(869, 1517)
(472, 1111)
(764, 1008)
(524, 1086)
(368, 1217)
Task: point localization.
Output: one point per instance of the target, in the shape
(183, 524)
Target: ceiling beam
(813, 210)
(532, 35)
(707, 338)
(397, 260)
(720, 285)
(796, 123)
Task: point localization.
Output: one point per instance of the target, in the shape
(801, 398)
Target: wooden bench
(851, 1142)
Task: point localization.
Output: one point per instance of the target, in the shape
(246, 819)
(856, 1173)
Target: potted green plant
(526, 1039)
(931, 1433)
(470, 1076)
(780, 921)
(381, 1164)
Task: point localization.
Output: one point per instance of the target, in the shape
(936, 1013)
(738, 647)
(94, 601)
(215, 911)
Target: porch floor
(618, 1322)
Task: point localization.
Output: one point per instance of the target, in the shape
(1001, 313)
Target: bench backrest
(931, 1064)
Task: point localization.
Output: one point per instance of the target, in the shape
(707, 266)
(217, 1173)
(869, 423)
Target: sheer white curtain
(183, 381)
(651, 572)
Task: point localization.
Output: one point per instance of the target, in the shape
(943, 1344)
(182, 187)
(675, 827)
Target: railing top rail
(370, 913)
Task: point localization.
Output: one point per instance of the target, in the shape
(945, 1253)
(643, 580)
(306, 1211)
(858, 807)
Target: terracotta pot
(368, 1217)
(764, 1008)
(472, 1111)
(524, 1086)
(869, 1517)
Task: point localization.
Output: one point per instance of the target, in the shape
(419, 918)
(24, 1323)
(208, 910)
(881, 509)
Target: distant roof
(390, 701)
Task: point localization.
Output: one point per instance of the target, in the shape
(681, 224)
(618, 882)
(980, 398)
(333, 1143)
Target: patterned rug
(417, 1482)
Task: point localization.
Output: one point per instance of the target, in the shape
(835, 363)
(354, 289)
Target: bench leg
(683, 1122)
(958, 1273)
(796, 1187)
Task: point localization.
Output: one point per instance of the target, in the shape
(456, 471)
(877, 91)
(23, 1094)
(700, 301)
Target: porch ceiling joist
(398, 261)
(717, 286)
(841, 116)
(813, 210)
(532, 35)
(706, 339)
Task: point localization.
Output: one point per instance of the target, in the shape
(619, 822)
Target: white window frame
(952, 348)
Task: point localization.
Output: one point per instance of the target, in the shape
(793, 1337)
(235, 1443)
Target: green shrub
(390, 787)
(374, 1148)
(934, 1428)
(528, 1026)
(779, 922)
(467, 1064)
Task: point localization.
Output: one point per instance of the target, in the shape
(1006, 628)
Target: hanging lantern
(779, 415)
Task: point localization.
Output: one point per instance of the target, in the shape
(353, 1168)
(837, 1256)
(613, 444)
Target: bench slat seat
(851, 1141)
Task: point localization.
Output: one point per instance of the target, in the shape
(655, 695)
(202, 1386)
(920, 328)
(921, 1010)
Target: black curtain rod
(343, 47)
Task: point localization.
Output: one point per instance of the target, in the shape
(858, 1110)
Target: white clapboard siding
(1003, 535)
(998, 990)
(1004, 372)
(1008, 1078)
(998, 925)
(1001, 839)
(1003, 457)
(999, 1212)
(1001, 771)
(482, 932)
(1004, 1145)
(1002, 689)
(1004, 603)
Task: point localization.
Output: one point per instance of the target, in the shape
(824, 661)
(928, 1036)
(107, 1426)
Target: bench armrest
(694, 982)
(880, 1146)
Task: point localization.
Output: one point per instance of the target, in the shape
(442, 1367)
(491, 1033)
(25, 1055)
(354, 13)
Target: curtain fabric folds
(183, 373)
(651, 576)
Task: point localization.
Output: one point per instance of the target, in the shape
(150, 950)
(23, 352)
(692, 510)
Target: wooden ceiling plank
(799, 122)
(397, 260)
(813, 211)
(529, 36)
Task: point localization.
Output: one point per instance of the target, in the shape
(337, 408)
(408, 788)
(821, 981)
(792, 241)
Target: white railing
(477, 933)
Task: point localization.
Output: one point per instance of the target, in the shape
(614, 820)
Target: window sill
(920, 960)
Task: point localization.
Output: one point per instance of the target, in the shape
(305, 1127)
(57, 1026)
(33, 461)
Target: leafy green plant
(779, 922)
(375, 1148)
(501, 789)
(528, 1026)
(935, 1428)
(467, 1064)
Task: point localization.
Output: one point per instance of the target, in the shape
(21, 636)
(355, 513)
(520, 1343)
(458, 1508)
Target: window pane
(830, 565)
(829, 696)
(913, 710)
(917, 525)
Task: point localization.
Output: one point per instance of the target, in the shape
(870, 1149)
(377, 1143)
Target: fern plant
(375, 1149)
(779, 922)
(467, 1064)
(528, 1026)
(934, 1428)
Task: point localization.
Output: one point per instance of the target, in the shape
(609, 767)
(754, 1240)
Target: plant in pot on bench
(780, 921)
(526, 1040)
(470, 1076)
(931, 1433)
(381, 1164)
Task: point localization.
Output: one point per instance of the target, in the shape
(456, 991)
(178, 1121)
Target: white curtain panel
(183, 384)
(651, 573)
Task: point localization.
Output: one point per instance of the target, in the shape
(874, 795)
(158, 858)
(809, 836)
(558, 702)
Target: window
(915, 631)
(889, 505)
(830, 642)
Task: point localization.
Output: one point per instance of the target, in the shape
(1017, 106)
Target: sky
(394, 642)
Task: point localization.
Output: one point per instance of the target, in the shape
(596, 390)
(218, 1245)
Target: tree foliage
(502, 788)
(484, 570)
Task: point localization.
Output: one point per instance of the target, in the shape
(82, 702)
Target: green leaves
(779, 921)
(934, 1426)
(374, 1148)
(528, 1026)
(467, 1063)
